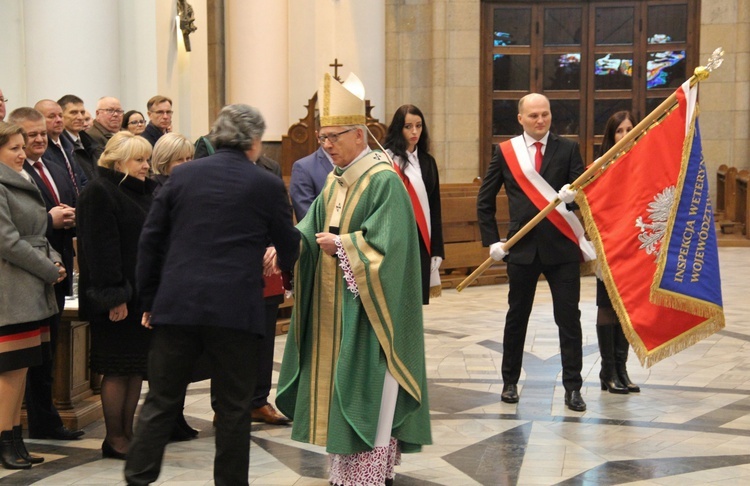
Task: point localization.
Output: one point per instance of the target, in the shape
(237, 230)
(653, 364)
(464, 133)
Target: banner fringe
(436, 291)
(690, 305)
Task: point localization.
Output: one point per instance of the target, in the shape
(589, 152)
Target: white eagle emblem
(652, 232)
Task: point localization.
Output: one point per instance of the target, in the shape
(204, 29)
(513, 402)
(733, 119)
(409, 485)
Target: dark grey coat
(27, 268)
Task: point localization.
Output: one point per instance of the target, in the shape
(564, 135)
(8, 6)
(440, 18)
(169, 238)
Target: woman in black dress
(613, 346)
(408, 143)
(110, 215)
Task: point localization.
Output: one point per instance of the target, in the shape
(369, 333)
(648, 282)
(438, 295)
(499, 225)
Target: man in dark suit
(57, 191)
(59, 150)
(308, 178)
(199, 274)
(85, 150)
(536, 167)
(262, 410)
(160, 118)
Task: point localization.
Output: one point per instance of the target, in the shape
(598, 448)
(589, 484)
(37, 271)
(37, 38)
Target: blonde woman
(110, 216)
(170, 151)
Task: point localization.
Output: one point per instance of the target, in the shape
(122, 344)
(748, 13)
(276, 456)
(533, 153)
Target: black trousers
(565, 285)
(174, 350)
(42, 415)
(265, 353)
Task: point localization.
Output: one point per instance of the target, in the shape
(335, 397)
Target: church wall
(432, 61)
(93, 48)
(725, 95)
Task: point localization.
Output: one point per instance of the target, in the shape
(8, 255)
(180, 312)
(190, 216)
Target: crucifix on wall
(336, 67)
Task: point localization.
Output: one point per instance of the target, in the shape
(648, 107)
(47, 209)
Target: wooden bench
(725, 212)
(742, 215)
(463, 243)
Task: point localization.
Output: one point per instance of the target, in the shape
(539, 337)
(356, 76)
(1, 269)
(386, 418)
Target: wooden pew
(725, 193)
(463, 244)
(743, 216)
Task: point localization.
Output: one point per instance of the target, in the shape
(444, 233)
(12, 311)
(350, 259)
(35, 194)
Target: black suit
(152, 133)
(55, 155)
(200, 265)
(86, 154)
(42, 415)
(543, 251)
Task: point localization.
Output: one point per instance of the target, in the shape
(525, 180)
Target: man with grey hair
(210, 224)
(108, 120)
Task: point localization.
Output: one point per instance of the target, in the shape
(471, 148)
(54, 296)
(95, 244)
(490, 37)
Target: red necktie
(538, 157)
(40, 169)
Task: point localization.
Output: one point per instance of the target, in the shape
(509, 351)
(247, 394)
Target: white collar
(529, 140)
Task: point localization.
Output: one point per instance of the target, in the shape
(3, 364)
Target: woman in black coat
(110, 216)
(408, 143)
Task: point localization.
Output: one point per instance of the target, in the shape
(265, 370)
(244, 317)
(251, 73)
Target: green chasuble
(340, 345)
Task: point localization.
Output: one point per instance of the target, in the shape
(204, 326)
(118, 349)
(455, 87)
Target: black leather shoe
(60, 433)
(574, 401)
(509, 394)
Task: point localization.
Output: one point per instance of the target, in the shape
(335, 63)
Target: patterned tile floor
(689, 425)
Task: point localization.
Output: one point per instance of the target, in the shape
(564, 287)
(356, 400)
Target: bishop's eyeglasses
(333, 137)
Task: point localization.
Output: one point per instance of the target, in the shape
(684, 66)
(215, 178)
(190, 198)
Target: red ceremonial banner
(633, 189)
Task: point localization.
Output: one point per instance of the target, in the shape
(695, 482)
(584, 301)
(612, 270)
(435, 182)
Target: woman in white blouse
(408, 144)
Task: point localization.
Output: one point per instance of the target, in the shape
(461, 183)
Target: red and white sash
(419, 213)
(541, 193)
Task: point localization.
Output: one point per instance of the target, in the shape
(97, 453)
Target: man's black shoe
(509, 394)
(574, 401)
(60, 433)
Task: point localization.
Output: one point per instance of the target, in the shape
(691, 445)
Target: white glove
(497, 252)
(566, 195)
(436, 261)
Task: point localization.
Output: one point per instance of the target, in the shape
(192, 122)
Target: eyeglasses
(112, 111)
(3, 100)
(137, 122)
(333, 137)
(162, 112)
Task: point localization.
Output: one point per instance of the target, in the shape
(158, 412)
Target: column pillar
(257, 61)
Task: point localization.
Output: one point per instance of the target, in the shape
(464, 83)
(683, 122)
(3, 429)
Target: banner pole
(700, 73)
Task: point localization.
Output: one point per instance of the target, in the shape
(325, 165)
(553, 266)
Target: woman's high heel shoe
(109, 452)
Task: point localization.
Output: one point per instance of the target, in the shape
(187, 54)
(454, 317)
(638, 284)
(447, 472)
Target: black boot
(8, 454)
(621, 359)
(21, 447)
(608, 375)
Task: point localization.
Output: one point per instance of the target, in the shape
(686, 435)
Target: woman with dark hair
(613, 346)
(134, 122)
(28, 269)
(110, 216)
(408, 144)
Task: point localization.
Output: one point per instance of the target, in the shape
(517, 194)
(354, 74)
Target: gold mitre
(341, 104)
